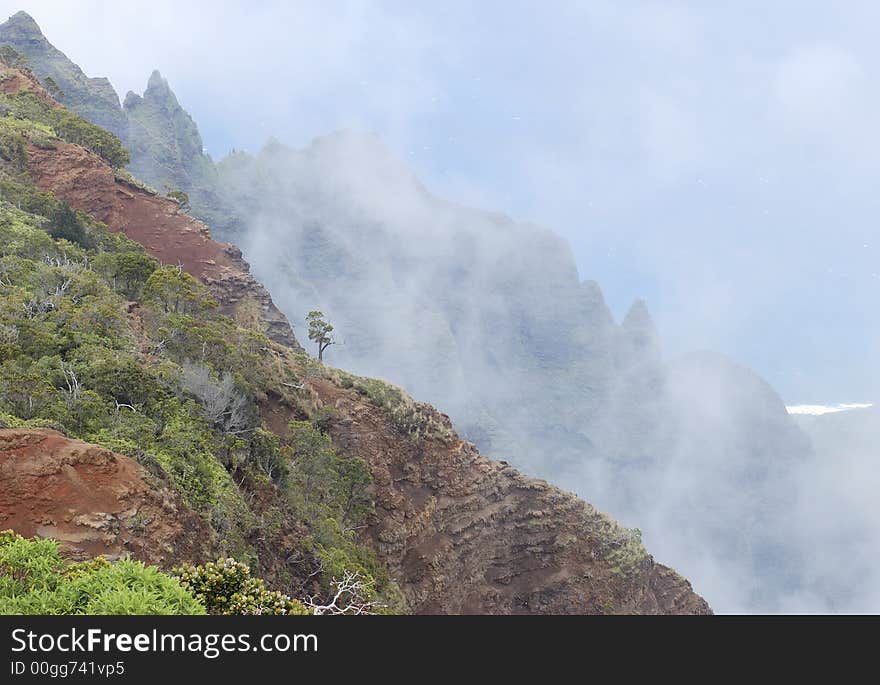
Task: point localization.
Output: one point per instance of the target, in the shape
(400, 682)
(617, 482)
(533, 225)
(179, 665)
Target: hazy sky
(720, 162)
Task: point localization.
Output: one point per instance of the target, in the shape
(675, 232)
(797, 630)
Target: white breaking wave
(819, 409)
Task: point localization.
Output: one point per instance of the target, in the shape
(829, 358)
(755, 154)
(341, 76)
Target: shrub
(123, 379)
(321, 483)
(125, 176)
(35, 580)
(177, 291)
(323, 418)
(65, 225)
(415, 419)
(75, 129)
(24, 391)
(179, 197)
(226, 587)
(127, 272)
(224, 404)
(265, 454)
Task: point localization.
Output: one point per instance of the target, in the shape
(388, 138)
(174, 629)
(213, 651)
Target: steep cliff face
(167, 152)
(94, 501)
(458, 532)
(465, 534)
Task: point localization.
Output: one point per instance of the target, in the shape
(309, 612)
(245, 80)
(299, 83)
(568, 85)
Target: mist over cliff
(489, 319)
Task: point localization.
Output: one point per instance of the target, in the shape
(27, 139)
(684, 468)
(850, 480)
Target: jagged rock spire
(638, 319)
(156, 81)
(639, 331)
(158, 116)
(595, 307)
(158, 89)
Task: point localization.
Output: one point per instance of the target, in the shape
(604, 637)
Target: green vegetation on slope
(409, 417)
(34, 118)
(101, 342)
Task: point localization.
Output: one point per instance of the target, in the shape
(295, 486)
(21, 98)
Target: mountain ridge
(493, 540)
(489, 318)
(164, 141)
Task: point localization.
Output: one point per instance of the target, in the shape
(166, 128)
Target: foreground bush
(35, 580)
(226, 587)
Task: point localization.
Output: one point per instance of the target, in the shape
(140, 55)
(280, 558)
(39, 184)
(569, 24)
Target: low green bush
(35, 580)
(226, 587)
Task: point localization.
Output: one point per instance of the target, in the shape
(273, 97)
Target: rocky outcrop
(18, 80)
(94, 501)
(639, 333)
(167, 151)
(163, 140)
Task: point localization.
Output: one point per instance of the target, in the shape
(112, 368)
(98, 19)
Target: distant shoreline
(819, 409)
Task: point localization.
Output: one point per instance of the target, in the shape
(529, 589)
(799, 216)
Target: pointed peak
(594, 305)
(640, 334)
(156, 81)
(157, 87)
(24, 22)
(20, 30)
(158, 91)
(592, 294)
(638, 318)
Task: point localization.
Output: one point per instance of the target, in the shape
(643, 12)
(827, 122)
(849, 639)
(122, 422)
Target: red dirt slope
(93, 501)
(90, 185)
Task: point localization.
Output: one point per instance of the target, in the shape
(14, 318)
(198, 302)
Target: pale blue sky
(719, 161)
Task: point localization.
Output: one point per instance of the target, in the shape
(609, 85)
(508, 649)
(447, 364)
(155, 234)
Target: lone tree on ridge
(320, 332)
